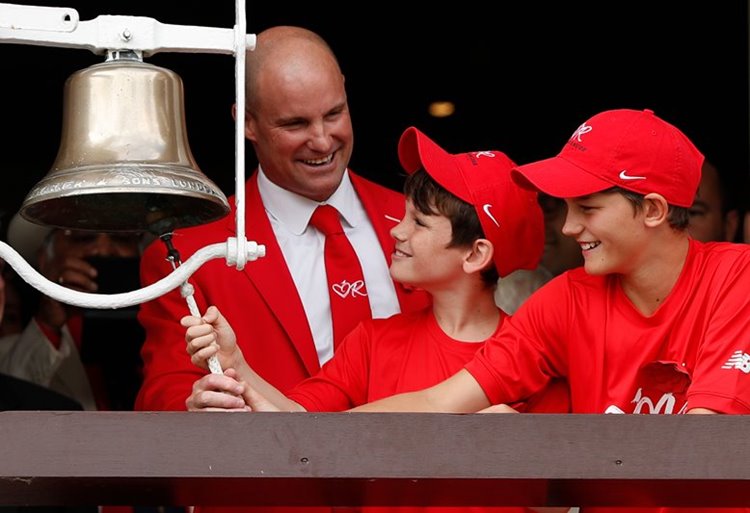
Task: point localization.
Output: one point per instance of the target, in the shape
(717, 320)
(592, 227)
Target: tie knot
(326, 219)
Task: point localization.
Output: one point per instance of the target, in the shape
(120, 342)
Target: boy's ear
(655, 209)
(480, 256)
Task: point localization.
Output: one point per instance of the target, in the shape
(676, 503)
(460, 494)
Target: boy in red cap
(465, 223)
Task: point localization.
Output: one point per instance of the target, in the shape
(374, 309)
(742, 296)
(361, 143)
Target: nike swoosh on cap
(625, 176)
(486, 209)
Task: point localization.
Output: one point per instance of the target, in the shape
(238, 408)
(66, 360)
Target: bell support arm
(61, 26)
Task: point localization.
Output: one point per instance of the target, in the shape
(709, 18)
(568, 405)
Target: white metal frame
(61, 27)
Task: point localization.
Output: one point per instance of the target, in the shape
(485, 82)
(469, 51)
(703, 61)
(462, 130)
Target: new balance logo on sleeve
(739, 361)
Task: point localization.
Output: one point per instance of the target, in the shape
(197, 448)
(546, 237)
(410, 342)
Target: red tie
(346, 284)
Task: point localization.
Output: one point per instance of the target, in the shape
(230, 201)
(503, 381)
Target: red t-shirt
(692, 352)
(406, 352)
(382, 357)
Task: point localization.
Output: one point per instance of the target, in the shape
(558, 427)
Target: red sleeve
(554, 398)
(721, 379)
(527, 352)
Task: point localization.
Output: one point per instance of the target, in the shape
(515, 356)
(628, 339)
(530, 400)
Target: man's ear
(655, 209)
(249, 123)
(480, 256)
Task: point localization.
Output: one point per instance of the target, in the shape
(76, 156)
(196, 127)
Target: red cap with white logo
(631, 149)
(510, 215)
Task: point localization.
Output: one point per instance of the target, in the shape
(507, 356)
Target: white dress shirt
(303, 247)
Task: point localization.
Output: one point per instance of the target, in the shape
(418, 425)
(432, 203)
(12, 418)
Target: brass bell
(124, 163)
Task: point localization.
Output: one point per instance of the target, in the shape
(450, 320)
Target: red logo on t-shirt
(661, 389)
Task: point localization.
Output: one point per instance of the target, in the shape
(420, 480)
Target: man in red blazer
(298, 122)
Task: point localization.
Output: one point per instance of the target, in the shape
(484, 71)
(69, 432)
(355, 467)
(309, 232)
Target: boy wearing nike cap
(466, 222)
(655, 322)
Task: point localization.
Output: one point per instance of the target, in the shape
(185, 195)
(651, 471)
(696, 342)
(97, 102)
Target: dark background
(523, 75)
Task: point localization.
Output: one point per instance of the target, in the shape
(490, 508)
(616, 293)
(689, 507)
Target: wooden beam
(344, 459)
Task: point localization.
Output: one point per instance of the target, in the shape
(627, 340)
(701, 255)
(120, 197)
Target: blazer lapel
(273, 281)
(382, 216)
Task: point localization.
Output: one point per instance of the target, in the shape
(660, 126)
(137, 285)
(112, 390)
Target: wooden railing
(343, 459)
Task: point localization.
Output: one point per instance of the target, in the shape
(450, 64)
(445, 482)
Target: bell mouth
(123, 197)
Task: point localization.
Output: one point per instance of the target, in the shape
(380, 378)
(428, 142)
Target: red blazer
(260, 302)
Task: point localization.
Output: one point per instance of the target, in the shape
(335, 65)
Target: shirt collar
(294, 211)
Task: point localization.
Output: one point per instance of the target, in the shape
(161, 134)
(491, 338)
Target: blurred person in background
(714, 216)
(14, 314)
(66, 348)
(560, 254)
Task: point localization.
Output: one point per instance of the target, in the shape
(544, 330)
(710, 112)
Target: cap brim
(417, 151)
(408, 150)
(558, 178)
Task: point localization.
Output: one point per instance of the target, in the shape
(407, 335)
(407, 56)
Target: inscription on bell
(191, 185)
(53, 188)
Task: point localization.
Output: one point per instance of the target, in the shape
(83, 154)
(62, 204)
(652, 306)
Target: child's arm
(212, 335)
(461, 393)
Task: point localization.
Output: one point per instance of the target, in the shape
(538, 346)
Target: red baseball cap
(631, 149)
(510, 215)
